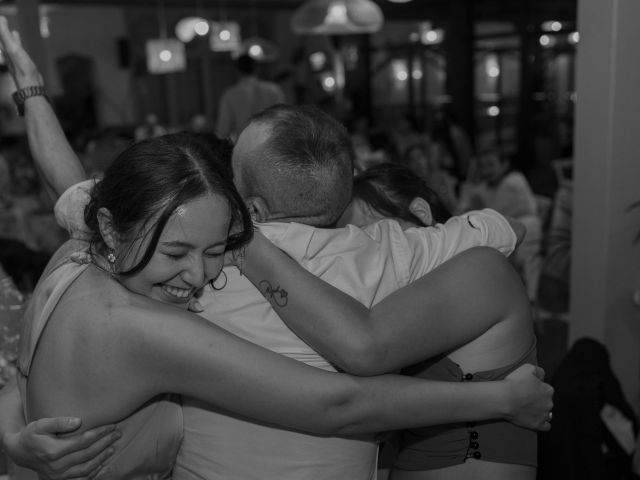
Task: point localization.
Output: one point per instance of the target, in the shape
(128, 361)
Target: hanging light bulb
(225, 36)
(187, 28)
(165, 55)
(430, 35)
(201, 27)
(318, 60)
(260, 49)
(337, 17)
(328, 82)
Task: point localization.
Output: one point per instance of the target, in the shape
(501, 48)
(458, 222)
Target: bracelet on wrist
(20, 95)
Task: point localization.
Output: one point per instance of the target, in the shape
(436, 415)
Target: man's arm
(424, 248)
(55, 159)
(440, 311)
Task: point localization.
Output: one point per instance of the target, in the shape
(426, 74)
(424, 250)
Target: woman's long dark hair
(390, 187)
(151, 178)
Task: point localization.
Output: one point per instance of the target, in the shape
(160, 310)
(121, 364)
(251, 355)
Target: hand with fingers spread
(24, 72)
(40, 447)
(533, 399)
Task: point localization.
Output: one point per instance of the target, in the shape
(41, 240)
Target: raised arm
(440, 311)
(55, 159)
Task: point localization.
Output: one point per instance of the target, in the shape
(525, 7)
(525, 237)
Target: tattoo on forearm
(275, 295)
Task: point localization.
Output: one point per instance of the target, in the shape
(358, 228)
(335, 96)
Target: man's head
(294, 163)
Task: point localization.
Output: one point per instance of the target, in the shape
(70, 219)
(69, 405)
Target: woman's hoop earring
(214, 282)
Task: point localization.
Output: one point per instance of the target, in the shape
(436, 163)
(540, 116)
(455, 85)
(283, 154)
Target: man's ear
(109, 234)
(421, 209)
(258, 209)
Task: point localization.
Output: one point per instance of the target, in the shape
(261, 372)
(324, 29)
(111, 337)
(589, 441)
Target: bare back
(79, 366)
(69, 364)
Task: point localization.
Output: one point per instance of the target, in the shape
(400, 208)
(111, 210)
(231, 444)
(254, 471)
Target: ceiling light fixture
(165, 55)
(258, 48)
(337, 17)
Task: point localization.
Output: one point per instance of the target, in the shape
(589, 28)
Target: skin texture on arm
(39, 446)
(11, 418)
(55, 159)
(142, 349)
(424, 319)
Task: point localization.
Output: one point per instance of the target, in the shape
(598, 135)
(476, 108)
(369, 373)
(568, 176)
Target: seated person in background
(555, 271)
(495, 185)
(426, 166)
(247, 96)
(381, 150)
(493, 449)
(359, 136)
(453, 142)
(406, 131)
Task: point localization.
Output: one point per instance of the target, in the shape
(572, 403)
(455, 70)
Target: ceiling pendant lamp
(337, 17)
(225, 36)
(258, 48)
(189, 27)
(165, 55)
(194, 25)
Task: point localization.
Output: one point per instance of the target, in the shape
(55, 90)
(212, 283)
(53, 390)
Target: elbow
(365, 358)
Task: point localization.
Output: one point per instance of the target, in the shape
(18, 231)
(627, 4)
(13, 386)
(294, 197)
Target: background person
(247, 96)
(495, 185)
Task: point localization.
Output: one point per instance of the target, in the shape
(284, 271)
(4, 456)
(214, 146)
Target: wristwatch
(21, 95)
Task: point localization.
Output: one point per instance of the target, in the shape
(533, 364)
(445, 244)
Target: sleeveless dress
(152, 435)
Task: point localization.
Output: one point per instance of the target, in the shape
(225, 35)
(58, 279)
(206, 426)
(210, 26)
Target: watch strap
(22, 94)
